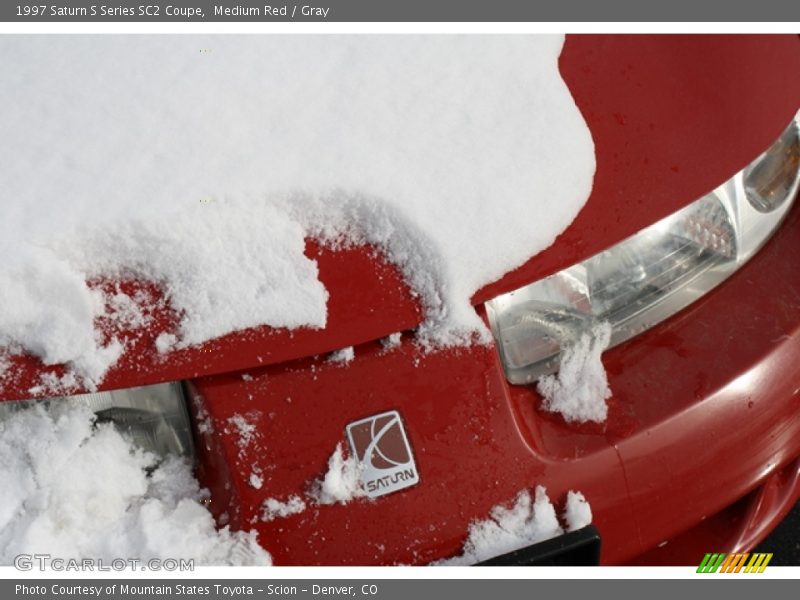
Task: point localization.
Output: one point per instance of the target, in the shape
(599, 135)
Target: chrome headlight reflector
(153, 417)
(651, 275)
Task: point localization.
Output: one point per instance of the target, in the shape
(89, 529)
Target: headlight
(153, 417)
(651, 275)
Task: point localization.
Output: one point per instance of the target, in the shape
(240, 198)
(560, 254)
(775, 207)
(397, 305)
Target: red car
(689, 246)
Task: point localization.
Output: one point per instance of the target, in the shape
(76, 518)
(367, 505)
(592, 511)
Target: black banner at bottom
(392, 589)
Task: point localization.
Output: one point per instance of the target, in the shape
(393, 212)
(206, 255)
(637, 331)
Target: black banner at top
(139, 11)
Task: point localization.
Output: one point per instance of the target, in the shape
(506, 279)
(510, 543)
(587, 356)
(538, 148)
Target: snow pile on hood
(527, 522)
(202, 163)
(74, 489)
(580, 389)
(341, 482)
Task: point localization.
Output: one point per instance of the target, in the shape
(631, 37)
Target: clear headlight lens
(651, 275)
(153, 417)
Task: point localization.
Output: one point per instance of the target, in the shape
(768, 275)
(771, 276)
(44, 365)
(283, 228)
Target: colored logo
(735, 563)
(381, 446)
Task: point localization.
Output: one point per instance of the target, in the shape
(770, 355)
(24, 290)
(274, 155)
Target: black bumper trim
(575, 549)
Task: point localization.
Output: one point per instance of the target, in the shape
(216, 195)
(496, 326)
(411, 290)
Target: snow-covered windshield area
(203, 164)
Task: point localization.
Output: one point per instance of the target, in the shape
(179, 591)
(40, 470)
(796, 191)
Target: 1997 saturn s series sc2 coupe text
(689, 247)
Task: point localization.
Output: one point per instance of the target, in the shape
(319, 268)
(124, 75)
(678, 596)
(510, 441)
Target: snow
(459, 157)
(342, 481)
(127, 311)
(507, 529)
(340, 484)
(73, 488)
(5, 365)
(392, 341)
(343, 356)
(245, 430)
(165, 342)
(275, 509)
(528, 521)
(577, 513)
(51, 384)
(580, 389)
(203, 422)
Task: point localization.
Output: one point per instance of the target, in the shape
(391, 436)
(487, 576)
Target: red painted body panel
(671, 116)
(705, 411)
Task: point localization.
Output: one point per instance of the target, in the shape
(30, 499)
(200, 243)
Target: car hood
(671, 117)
